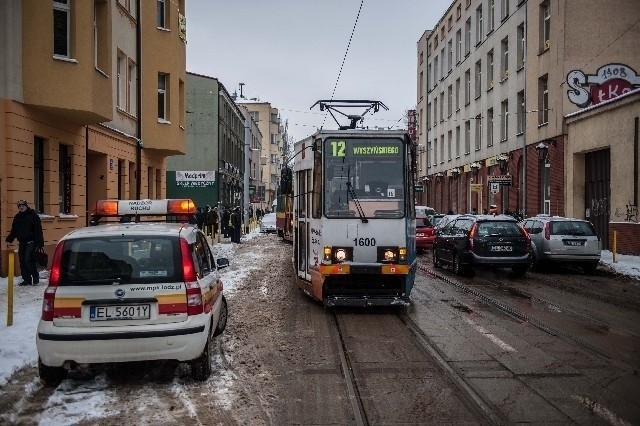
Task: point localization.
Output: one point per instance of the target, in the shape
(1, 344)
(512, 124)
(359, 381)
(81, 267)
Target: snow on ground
(18, 346)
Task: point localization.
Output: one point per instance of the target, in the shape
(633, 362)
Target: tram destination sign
(504, 180)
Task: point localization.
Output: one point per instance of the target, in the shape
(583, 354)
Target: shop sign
(500, 179)
(195, 179)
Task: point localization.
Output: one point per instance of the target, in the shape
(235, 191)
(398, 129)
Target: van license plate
(574, 243)
(113, 313)
(501, 248)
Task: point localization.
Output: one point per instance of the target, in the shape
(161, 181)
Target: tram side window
(316, 200)
(302, 193)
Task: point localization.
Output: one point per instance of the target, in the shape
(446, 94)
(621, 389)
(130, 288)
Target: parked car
(472, 240)
(425, 234)
(424, 211)
(268, 223)
(444, 220)
(132, 291)
(562, 240)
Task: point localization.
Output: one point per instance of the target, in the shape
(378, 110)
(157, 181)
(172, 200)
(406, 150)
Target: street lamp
(439, 176)
(543, 151)
(455, 173)
(475, 167)
(503, 162)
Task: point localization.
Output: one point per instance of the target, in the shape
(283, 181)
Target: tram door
(302, 225)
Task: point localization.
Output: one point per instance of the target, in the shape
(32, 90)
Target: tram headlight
(389, 255)
(341, 255)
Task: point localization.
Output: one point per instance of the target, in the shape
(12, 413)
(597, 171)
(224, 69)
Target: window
(521, 113)
(479, 27)
(181, 108)
(162, 14)
(546, 25)
(491, 16)
(467, 137)
(457, 94)
(449, 23)
(459, 46)
(478, 79)
(490, 127)
(441, 106)
(442, 68)
(441, 149)
(450, 56)
(478, 132)
(100, 41)
(274, 118)
(505, 9)
(129, 6)
(421, 57)
(121, 86)
(131, 90)
(521, 47)
(449, 100)
(490, 69)
(435, 72)
(435, 110)
(162, 96)
(274, 138)
(274, 158)
(449, 143)
(61, 28)
(255, 115)
(435, 152)
(429, 75)
(467, 87)
(467, 37)
(458, 142)
(38, 174)
(504, 120)
(421, 84)
(428, 154)
(429, 115)
(458, 12)
(505, 58)
(64, 179)
(543, 99)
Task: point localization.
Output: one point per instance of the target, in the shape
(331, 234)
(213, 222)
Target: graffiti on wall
(599, 207)
(630, 214)
(609, 82)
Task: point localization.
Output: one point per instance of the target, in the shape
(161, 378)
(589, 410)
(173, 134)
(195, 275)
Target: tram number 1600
(364, 242)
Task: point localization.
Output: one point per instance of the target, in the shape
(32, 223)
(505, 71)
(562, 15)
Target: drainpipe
(635, 163)
(139, 102)
(86, 176)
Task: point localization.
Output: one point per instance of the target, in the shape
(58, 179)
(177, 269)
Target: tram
(353, 214)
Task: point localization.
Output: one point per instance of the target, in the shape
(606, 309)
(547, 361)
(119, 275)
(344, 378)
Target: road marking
(600, 410)
(495, 339)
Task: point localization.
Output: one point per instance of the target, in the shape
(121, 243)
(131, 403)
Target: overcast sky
(289, 52)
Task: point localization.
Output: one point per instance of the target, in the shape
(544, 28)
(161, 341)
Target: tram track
(509, 309)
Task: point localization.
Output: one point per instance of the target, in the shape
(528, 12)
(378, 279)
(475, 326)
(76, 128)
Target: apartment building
(268, 119)
(502, 78)
(212, 170)
(77, 79)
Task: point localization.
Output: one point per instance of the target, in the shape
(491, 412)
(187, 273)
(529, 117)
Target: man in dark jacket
(236, 223)
(226, 215)
(27, 228)
(214, 219)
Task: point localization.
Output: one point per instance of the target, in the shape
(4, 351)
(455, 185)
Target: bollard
(10, 289)
(615, 241)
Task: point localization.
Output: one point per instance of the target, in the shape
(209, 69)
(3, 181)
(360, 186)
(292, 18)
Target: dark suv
(472, 240)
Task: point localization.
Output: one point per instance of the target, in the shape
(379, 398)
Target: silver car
(268, 223)
(563, 240)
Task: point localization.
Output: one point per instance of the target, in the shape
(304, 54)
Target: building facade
(268, 119)
(501, 76)
(211, 172)
(73, 90)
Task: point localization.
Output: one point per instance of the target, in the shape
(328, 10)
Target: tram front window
(375, 170)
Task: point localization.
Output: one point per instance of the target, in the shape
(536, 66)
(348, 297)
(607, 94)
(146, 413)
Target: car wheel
(51, 376)
(436, 259)
(519, 271)
(458, 269)
(222, 321)
(590, 268)
(201, 366)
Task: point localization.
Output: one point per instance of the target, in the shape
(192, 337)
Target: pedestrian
(450, 212)
(474, 211)
(226, 215)
(208, 226)
(27, 228)
(236, 222)
(214, 219)
(200, 218)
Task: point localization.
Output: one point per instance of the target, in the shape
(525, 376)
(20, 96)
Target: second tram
(354, 218)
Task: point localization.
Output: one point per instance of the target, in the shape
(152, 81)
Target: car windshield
(370, 172)
(269, 218)
(126, 260)
(572, 227)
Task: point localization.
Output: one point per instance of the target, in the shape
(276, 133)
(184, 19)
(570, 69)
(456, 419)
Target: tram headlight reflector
(402, 253)
(327, 254)
(389, 255)
(340, 255)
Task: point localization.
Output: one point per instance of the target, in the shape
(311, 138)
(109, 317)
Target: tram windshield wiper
(352, 192)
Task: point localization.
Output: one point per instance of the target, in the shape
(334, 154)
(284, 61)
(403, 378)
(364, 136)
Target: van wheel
(590, 268)
(201, 366)
(51, 376)
(222, 321)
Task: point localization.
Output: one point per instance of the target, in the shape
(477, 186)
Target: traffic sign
(418, 188)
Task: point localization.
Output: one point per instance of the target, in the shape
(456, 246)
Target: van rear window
(572, 227)
(126, 260)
